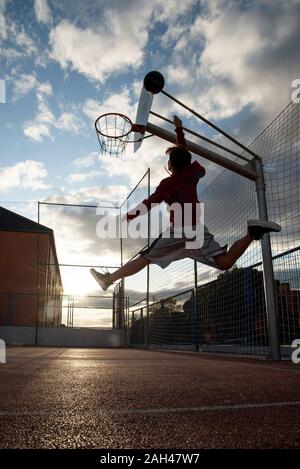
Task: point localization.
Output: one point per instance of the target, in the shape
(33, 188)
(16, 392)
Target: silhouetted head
(179, 158)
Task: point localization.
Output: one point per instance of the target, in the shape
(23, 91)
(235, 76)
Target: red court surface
(120, 398)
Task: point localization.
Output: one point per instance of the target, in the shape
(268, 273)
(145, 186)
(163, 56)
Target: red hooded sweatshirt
(180, 187)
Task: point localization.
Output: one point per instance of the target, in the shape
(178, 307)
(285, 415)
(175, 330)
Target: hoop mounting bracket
(138, 128)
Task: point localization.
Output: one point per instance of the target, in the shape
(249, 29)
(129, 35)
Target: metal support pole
(162, 340)
(195, 318)
(122, 309)
(73, 302)
(142, 329)
(194, 324)
(132, 329)
(121, 292)
(121, 239)
(148, 267)
(146, 329)
(114, 310)
(246, 170)
(269, 282)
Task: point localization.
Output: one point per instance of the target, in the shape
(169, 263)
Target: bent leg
(132, 267)
(226, 261)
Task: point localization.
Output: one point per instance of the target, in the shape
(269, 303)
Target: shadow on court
(118, 398)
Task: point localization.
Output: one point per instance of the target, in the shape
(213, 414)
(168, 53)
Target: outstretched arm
(156, 198)
(179, 131)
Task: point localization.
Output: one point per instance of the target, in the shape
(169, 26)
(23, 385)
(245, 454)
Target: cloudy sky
(64, 62)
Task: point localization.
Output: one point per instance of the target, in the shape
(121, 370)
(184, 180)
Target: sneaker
(102, 279)
(257, 228)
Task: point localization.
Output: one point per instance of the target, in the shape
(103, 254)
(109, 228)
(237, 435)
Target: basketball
(154, 82)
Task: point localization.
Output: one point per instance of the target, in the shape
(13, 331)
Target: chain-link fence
(187, 305)
(137, 286)
(227, 311)
(42, 310)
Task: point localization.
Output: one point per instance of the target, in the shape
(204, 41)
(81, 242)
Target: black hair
(179, 157)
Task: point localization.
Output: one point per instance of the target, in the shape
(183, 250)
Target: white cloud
(39, 127)
(92, 53)
(23, 41)
(86, 161)
(42, 11)
(23, 85)
(110, 195)
(36, 131)
(179, 75)
(134, 165)
(79, 177)
(27, 174)
(115, 102)
(114, 44)
(68, 122)
(45, 89)
(19, 44)
(44, 122)
(169, 11)
(231, 57)
(10, 54)
(3, 26)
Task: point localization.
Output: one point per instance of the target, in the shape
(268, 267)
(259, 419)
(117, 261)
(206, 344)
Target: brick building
(30, 283)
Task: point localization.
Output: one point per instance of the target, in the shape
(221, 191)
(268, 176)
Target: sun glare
(78, 282)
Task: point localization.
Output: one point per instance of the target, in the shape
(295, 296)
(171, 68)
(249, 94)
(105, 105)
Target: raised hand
(177, 121)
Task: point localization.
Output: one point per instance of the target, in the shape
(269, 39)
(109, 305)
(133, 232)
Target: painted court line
(159, 410)
(213, 408)
(251, 365)
(274, 368)
(228, 363)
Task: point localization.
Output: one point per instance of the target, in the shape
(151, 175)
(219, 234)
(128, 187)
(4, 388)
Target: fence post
(114, 310)
(148, 266)
(132, 328)
(146, 329)
(194, 321)
(160, 327)
(250, 312)
(122, 304)
(195, 316)
(121, 239)
(269, 282)
(142, 339)
(72, 312)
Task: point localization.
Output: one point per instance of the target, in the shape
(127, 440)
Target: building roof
(11, 221)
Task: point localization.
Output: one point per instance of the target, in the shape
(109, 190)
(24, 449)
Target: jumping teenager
(181, 188)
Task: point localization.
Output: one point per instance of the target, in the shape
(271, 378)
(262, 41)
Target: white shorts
(163, 250)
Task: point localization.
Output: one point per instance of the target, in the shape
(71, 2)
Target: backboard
(142, 116)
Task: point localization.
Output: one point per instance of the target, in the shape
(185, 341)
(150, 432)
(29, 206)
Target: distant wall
(28, 259)
(17, 335)
(62, 336)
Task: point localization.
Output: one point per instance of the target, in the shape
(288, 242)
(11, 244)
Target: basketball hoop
(113, 132)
